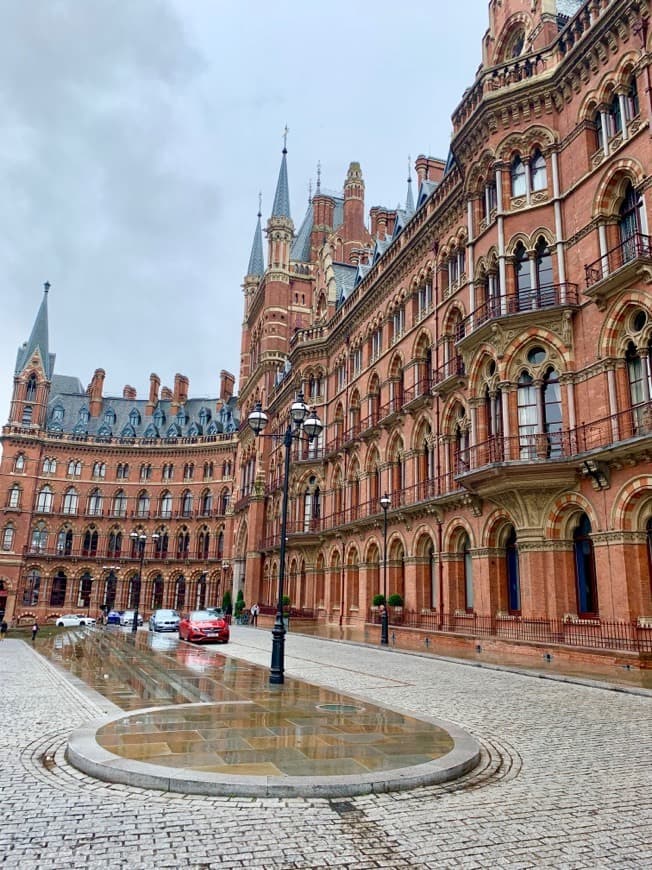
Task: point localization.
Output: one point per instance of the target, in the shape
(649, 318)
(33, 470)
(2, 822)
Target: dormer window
(204, 416)
(134, 417)
(109, 417)
(158, 417)
(58, 414)
(84, 416)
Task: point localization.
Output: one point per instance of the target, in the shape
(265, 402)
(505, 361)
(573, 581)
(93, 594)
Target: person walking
(34, 631)
(3, 629)
(255, 610)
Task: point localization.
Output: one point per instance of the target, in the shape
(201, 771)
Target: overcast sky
(136, 135)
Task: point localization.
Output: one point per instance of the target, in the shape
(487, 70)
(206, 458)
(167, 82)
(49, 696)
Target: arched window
(220, 544)
(142, 505)
(74, 468)
(99, 470)
(44, 500)
(527, 416)
(183, 543)
(64, 542)
(161, 544)
(585, 577)
(14, 497)
(552, 413)
(648, 530)
(32, 589)
(58, 593)
(206, 503)
(114, 548)
(85, 588)
(512, 575)
(538, 172)
(523, 278)
(465, 548)
(166, 505)
(539, 412)
(224, 501)
(629, 222)
(544, 276)
(632, 105)
(30, 390)
(110, 589)
(39, 538)
(640, 384)
(203, 543)
(49, 466)
(186, 504)
(157, 593)
(19, 462)
(95, 503)
(200, 595)
(70, 501)
(8, 538)
(614, 117)
(180, 593)
(518, 177)
(120, 504)
(27, 415)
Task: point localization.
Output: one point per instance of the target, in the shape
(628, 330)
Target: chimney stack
(227, 383)
(94, 392)
(152, 401)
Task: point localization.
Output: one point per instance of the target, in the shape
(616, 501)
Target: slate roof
(38, 340)
(300, 251)
(281, 206)
(344, 280)
(256, 259)
(68, 413)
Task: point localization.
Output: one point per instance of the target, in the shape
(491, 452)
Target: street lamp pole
(139, 538)
(300, 418)
(385, 502)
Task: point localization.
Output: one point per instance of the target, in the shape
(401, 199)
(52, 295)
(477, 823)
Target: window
(27, 415)
(538, 171)
(19, 462)
(207, 504)
(32, 589)
(99, 470)
(203, 543)
(523, 278)
(64, 542)
(85, 587)
(49, 466)
(14, 496)
(376, 343)
(357, 361)
(465, 546)
(157, 593)
(314, 386)
(614, 117)
(122, 471)
(8, 538)
(161, 544)
(134, 417)
(398, 323)
(341, 376)
(424, 299)
(183, 543)
(58, 593)
(534, 401)
(188, 471)
(543, 272)
(168, 471)
(145, 472)
(518, 177)
(109, 417)
(186, 504)
(629, 222)
(632, 105)
(70, 500)
(585, 577)
(44, 500)
(512, 573)
(120, 504)
(39, 538)
(489, 201)
(208, 470)
(166, 505)
(89, 545)
(30, 391)
(95, 503)
(142, 505)
(74, 468)
(114, 548)
(640, 384)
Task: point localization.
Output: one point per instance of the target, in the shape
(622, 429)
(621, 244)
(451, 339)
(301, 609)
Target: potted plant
(395, 600)
(227, 605)
(239, 604)
(377, 601)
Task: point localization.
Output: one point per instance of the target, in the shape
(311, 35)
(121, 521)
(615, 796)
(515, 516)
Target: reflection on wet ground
(247, 727)
(616, 674)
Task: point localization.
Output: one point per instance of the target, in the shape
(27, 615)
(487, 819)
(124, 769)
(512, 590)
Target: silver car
(164, 620)
(127, 618)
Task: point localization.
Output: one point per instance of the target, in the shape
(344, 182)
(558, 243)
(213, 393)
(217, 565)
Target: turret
(280, 229)
(33, 373)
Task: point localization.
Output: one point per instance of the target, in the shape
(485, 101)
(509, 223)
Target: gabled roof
(426, 189)
(345, 276)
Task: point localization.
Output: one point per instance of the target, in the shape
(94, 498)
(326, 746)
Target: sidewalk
(564, 781)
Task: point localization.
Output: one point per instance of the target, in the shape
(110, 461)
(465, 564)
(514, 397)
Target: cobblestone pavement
(564, 780)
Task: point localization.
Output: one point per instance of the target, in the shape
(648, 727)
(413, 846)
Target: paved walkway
(565, 779)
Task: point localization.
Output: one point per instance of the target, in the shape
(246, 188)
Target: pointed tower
(255, 271)
(33, 374)
(256, 265)
(409, 199)
(280, 229)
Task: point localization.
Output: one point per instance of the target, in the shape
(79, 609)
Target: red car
(203, 625)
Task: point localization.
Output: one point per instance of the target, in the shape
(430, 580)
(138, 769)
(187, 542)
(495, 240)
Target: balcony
(520, 308)
(629, 261)
(449, 376)
(417, 396)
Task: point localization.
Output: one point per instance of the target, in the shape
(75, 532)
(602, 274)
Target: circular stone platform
(244, 748)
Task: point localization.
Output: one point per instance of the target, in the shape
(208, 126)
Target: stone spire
(281, 207)
(256, 260)
(38, 340)
(409, 199)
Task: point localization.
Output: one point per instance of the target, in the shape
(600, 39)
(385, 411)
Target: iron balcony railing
(635, 247)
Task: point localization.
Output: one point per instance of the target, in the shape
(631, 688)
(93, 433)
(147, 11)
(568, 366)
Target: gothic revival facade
(481, 355)
(89, 479)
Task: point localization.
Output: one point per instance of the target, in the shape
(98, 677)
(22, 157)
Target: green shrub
(395, 600)
(378, 600)
(286, 603)
(227, 601)
(239, 603)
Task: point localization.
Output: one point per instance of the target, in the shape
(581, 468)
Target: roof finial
(309, 191)
(285, 139)
(318, 176)
(260, 203)
(46, 286)
(409, 178)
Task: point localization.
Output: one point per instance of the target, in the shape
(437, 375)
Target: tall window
(27, 415)
(539, 412)
(543, 271)
(180, 593)
(640, 383)
(74, 468)
(14, 496)
(99, 470)
(89, 545)
(538, 171)
(186, 504)
(120, 504)
(512, 573)
(30, 391)
(58, 593)
(157, 593)
(585, 577)
(166, 505)
(465, 547)
(19, 463)
(39, 538)
(629, 222)
(518, 177)
(95, 503)
(631, 101)
(44, 500)
(523, 278)
(32, 589)
(203, 543)
(70, 501)
(114, 548)
(64, 542)
(8, 538)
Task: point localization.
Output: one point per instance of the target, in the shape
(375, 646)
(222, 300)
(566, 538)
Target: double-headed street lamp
(385, 503)
(301, 418)
(139, 540)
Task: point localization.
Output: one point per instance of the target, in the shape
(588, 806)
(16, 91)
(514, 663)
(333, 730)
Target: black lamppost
(385, 503)
(139, 539)
(301, 417)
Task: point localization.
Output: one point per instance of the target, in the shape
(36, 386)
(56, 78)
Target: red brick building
(83, 472)
(482, 355)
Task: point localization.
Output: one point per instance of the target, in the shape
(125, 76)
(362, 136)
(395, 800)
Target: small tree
(239, 603)
(395, 600)
(286, 603)
(377, 600)
(227, 602)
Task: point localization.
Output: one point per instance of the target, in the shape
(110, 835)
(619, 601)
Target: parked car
(114, 617)
(164, 620)
(203, 625)
(68, 620)
(127, 618)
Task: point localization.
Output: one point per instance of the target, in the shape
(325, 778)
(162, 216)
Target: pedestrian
(34, 631)
(255, 610)
(3, 629)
